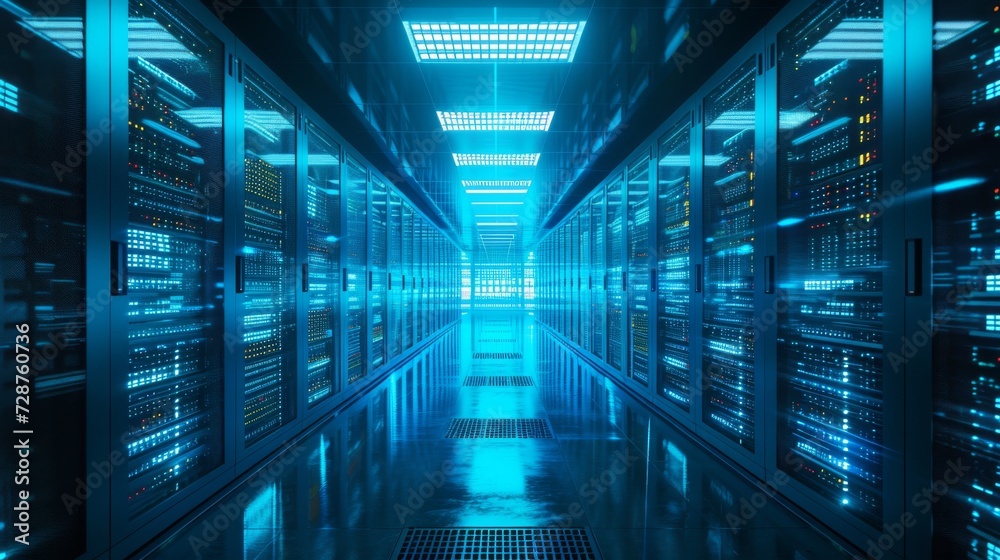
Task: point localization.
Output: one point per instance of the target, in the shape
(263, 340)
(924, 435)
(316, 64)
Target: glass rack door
(639, 262)
(355, 270)
(267, 265)
(323, 273)
(728, 402)
(395, 312)
(966, 276)
(599, 274)
(377, 273)
(175, 260)
(616, 274)
(830, 330)
(673, 292)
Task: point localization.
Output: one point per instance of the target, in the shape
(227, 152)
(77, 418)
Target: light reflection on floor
(644, 490)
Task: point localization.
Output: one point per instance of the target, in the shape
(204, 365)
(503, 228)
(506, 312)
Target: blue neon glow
(730, 178)
(510, 42)
(790, 222)
(947, 32)
(172, 134)
(958, 184)
(817, 132)
(164, 77)
(859, 39)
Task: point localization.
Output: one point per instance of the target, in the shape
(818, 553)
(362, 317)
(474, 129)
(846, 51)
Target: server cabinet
(419, 276)
(265, 267)
(962, 142)
(573, 252)
(44, 285)
(585, 278)
(167, 387)
(394, 281)
(835, 310)
(407, 280)
(321, 273)
(354, 270)
(615, 223)
(673, 240)
(599, 274)
(638, 274)
(379, 215)
(731, 397)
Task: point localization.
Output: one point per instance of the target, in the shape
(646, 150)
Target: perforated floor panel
(496, 356)
(499, 428)
(498, 381)
(571, 543)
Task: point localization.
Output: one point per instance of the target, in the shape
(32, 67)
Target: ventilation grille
(571, 543)
(496, 356)
(498, 381)
(499, 428)
(497, 340)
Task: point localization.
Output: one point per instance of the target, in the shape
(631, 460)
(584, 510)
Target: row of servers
(196, 266)
(801, 266)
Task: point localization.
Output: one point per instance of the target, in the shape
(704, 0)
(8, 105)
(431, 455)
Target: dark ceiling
(354, 64)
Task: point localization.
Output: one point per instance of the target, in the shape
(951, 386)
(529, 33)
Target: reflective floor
(643, 489)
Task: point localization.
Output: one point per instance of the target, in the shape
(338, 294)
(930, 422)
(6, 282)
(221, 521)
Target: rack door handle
(652, 280)
(390, 281)
(343, 279)
(305, 277)
(241, 274)
(370, 280)
(768, 275)
(119, 269)
(404, 283)
(698, 280)
(914, 267)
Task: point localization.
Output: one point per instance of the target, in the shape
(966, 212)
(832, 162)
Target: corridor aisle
(625, 479)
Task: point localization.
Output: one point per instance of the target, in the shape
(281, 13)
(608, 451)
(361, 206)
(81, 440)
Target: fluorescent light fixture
(8, 96)
(496, 191)
(466, 121)
(500, 203)
(496, 215)
(508, 42)
(496, 159)
(793, 119)
(947, 32)
(851, 39)
(494, 184)
(166, 78)
(497, 224)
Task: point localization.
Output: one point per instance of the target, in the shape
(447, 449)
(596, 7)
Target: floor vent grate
(571, 543)
(499, 428)
(498, 381)
(496, 356)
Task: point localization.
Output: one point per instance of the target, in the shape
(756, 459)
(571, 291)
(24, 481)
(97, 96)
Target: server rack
(354, 273)
(638, 280)
(674, 257)
(377, 257)
(321, 271)
(585, 278)
(598, 262)
(45, 258)
(615, 246)
(408, 279)
(960, 198)
(394, 285)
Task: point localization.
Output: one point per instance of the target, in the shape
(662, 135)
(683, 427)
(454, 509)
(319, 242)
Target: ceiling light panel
(496, 191)
(495, 184)
(496, 159)
(510, 42)
(521, 120)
